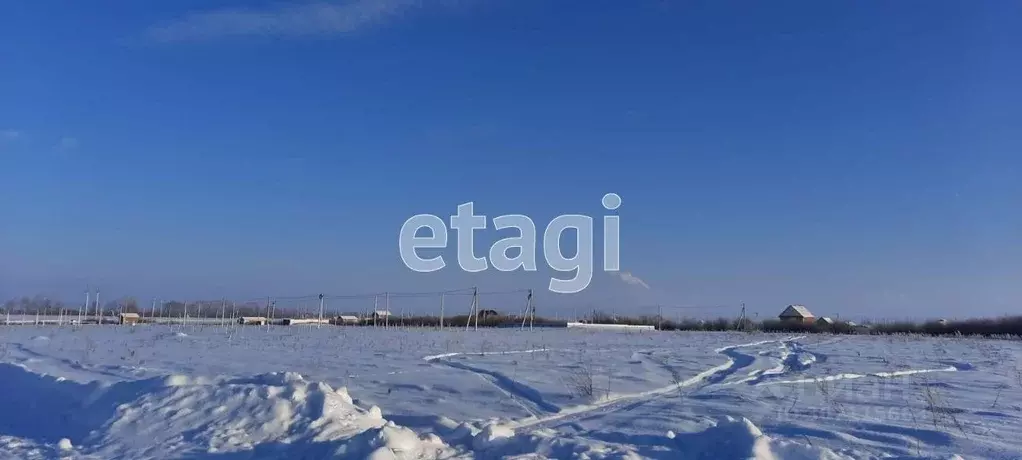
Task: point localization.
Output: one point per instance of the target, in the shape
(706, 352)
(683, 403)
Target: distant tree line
(1001, 326)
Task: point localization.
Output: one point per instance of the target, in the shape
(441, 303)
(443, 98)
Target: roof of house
(129, 315)
(348, 317)
(796, 311)
(826, 319)
(381, 313)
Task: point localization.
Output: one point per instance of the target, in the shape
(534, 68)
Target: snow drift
(277, 415)
(281, 415)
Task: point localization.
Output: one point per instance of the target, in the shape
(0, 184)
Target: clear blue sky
(862, 158)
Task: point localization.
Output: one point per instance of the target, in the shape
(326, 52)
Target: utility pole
(471, 311)
(223, 310)
(99, 310)
(88, 295)
(741, 319)
(475, 306)
(659, 317)
(376, 308)
(386, 318)
(530, 311)
(152, 312)
(267, 315)
(320, 311)
(442, 294)
(532, 308)
(525, 313)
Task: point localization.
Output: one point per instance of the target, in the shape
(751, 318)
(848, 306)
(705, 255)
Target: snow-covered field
(197, 391)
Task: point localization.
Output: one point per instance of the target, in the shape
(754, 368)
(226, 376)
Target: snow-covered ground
(122, 392)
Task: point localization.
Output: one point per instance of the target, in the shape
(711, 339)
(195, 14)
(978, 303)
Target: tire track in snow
(849, 376)
(741, 360)
(432, 358)
(528, 398)
(615, 401)
(737, 360)
(791, 360)
(623, 400)
(518, 391)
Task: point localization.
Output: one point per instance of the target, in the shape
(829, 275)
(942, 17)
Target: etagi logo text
(465, 222)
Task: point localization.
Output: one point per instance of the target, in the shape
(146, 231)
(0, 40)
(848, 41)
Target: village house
(346, 320)
(252, 320)
(379, 316)
(797, 314)
(129, 318)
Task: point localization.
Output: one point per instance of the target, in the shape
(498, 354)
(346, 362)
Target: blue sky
(861, 158)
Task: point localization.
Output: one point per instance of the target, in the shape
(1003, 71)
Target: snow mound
(278, 415)
(496, 442)
(738, 438)
(492, 436)
(391, 441)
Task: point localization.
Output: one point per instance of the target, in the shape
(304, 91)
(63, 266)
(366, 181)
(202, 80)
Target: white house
(252, 320)
(379, 317)
(346, 319)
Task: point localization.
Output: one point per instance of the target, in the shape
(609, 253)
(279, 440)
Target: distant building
(346, 319)
(483, 314)
(300, 321)
(252, 320)
(826, 320)
(129, 318)
(379, 315)
(797, 314)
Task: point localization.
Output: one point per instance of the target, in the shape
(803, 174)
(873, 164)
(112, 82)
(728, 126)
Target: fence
(468, 308)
